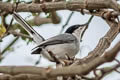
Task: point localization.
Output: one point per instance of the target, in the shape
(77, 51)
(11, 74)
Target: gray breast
(60, 50)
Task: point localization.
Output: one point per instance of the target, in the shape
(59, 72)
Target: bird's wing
(36, 37)
(59, 39)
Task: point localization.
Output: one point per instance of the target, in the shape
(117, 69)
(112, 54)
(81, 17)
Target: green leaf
(35, 14)
(1, 40)
(14, 0)
(29, 41)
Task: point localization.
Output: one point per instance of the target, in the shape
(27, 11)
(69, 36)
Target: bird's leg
(57, 60)
(53, 56)
(68, 57)
(69, 60)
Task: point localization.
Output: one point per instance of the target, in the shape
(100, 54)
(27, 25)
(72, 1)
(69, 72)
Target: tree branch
(105, 41)
(105, 13)
(64, 71)
(70, 5)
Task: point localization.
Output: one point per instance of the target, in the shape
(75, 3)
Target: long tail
(36, 37)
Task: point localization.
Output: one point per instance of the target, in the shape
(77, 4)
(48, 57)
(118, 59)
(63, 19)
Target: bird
(60, 45)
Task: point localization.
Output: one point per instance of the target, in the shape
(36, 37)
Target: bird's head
(76, 30)
(72, 28)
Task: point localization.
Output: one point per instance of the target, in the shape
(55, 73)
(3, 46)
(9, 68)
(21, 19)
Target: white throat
(78, 32)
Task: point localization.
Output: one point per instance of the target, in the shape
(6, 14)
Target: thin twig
(66, 23)
(19, 34)
(38, 61)
(101, 13)
(9, 26)
(87, 24)
(105, 71)
(12, 42)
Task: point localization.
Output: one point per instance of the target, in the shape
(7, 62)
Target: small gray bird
(60, 45)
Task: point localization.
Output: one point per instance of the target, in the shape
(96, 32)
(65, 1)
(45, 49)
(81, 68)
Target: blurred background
(20, 52)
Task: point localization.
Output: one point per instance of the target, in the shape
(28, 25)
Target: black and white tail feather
(36, 37)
